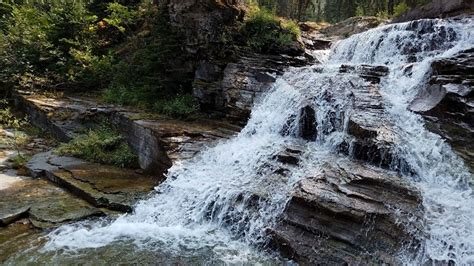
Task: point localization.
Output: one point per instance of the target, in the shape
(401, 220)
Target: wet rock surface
(349, 213)
(17, 236)
(101, 185)
(233, 92)
(373, 133)
(43, 203)
(155, 139)
(447, 103)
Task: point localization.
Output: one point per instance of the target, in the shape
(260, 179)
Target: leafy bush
(264, 31)
(121, 17)
(19, 160)
(144, 73)
(400, 9)
(179, 107)
(101, 145)
(8, 119)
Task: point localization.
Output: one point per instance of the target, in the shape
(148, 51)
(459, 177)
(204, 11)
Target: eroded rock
(350, 214)
(242, 82)
(43, 203)
(102, 186)
(158, 141)
(307, 124)
(447, 102)
(352, 26)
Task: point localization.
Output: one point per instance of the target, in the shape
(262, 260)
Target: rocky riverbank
(360, 208)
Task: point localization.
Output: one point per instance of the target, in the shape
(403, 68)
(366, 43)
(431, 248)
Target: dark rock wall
(203, 22)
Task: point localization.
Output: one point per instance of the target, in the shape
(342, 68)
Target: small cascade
(223, 201)
(439, 173)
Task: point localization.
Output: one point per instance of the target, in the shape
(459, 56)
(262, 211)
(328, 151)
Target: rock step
(102, 186)
(446, 103)
(350, 213)
(157, 141)
(43, 203)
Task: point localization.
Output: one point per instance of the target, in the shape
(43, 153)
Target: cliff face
(202, 23)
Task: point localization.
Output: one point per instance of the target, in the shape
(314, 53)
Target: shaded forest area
(336, 10)
(129, 51)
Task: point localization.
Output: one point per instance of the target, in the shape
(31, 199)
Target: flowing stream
(217, 206)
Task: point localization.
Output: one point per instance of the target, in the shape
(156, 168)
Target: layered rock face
(349, 213)
(447, 103)
(202, 22)
(353, 210)
(231, 90)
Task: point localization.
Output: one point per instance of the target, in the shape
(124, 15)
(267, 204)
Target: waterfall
(224, 200)
(441, 175)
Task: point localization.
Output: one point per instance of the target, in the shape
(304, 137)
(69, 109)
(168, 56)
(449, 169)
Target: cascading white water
(442, 177)
(227, 196)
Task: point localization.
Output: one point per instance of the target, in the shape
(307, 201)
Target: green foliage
(333, 11)
(400, 9)
(121, 17)
(18, 138)
(45, 45)
(19, 160)
(144, 74)
(360, 11)
(179, 107)
(265, 32)
(101, 145)
(8, 119)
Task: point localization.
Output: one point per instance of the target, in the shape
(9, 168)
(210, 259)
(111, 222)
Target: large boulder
(350, 214)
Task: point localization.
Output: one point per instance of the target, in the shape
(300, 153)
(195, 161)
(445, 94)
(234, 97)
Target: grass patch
(102, 145)
(179, 107)
(266, 32)
(19, 160)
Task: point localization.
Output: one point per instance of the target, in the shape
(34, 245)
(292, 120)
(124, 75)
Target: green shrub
(143, 77)
(120, 16)
(400, 9)
(179, 107)
(264, 31)
(8, 119)
(19, 160)
(46, 45)
(101, 145)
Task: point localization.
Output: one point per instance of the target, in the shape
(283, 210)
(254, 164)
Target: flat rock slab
(157, 140)
(44, 203)
(17, 236)
(103, 186)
